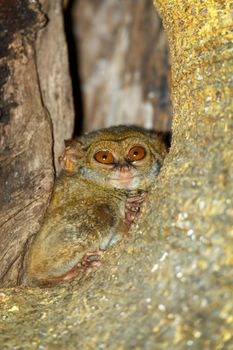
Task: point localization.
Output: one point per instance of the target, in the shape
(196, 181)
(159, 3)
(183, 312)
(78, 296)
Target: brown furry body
(94, 201)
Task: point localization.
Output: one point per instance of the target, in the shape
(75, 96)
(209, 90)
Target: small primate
(99, 194)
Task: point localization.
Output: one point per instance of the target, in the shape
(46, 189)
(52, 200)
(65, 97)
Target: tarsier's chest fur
(95, 201)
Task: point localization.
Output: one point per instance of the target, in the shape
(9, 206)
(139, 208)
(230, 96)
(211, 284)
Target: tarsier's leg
(87, 263)
(133, 207)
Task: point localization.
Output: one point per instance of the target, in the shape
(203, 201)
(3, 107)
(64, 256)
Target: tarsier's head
(118, 157)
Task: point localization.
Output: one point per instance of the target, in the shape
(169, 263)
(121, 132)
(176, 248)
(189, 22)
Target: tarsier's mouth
(122, 178)
(122, 181)
(121, 175)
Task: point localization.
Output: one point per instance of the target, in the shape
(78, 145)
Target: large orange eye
(104, 157)
(136, 153)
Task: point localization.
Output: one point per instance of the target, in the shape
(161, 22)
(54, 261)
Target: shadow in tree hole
(74, 70)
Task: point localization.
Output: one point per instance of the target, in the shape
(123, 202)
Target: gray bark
(35, 85)
(123, 62)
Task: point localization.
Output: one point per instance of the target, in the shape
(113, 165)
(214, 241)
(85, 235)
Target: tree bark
(123, 64)
(29, 93)
(54, 76)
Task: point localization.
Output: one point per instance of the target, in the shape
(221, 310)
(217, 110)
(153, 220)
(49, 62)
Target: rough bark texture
(26, 158)
(54, 77)
(123, 61)
(168, 286)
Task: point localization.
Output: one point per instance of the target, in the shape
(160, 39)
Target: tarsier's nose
(123, 166)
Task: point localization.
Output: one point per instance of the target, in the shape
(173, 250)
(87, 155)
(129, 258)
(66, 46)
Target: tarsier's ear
(70, 156)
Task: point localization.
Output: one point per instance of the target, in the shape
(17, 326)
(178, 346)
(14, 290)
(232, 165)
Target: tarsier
(99, 194)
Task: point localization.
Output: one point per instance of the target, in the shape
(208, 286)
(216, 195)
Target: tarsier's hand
(133, 208)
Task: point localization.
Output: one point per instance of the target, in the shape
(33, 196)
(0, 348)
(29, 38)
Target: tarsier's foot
(133, 207)
(87, 263)
(91, 260)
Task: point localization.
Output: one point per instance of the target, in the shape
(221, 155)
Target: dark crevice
(15, 17)
(74, 69)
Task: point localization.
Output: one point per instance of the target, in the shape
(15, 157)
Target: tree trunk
(35, 85)
(123, 62)
(54, 77)
(168, 285)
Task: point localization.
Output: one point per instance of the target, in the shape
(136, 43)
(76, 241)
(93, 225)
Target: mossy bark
(168, 285)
